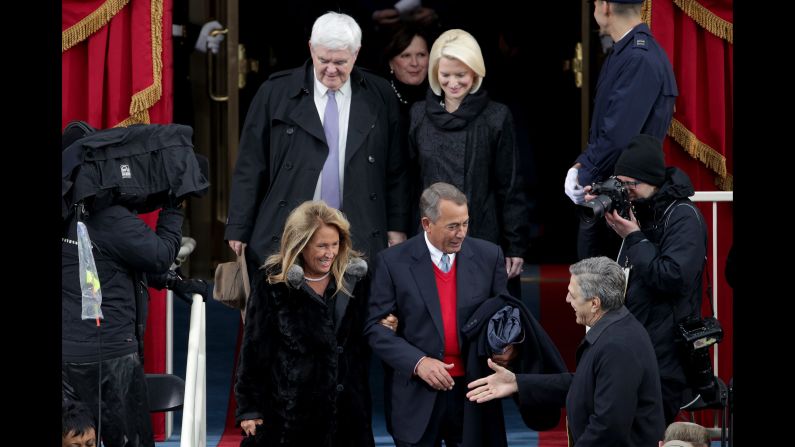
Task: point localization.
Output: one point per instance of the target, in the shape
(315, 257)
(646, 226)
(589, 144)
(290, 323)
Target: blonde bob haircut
(301, 225)
(456, 44)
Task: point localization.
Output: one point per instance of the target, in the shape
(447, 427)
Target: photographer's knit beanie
(643, 160)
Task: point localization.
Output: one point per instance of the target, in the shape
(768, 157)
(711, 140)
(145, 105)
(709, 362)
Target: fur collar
(356, 269)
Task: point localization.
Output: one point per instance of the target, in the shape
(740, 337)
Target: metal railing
(194, 408)
(714, 197)
(194, 411)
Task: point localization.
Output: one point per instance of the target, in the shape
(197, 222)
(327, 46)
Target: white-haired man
(324, 131)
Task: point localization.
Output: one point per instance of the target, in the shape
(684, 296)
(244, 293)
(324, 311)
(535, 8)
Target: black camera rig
(610, 194)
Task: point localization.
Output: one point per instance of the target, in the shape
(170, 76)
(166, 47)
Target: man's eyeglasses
(631, 184)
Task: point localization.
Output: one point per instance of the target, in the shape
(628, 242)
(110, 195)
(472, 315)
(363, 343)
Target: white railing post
(714, 197)
(194, 410)
(169, 352)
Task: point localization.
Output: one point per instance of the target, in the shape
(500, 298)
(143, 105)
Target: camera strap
(668, 212)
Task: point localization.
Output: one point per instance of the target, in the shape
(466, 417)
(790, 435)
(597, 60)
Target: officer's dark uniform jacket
(283, 149)
(635, 94)
(667, 262)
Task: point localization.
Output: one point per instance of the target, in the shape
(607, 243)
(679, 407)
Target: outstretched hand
(498, 385)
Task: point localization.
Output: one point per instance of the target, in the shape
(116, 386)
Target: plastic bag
(89, 278)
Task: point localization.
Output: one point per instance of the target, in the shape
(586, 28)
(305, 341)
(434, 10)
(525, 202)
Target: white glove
(572, 188)
(206, 41)
(406, 6)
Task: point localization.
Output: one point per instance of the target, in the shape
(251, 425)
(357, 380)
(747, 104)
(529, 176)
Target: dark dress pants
(125, 407)
(595, 238)
(447, 419)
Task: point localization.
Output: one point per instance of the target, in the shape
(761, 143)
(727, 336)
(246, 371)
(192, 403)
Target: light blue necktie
(445, 264)
(330, 176)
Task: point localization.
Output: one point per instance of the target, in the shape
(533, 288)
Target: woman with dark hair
(406, 55)
(460, 136)
(302, 376)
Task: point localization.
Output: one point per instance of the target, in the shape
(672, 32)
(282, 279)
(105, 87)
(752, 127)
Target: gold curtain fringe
(645, 13)
(140, 118)
(91, 23)
(147, 97)
(725, 183)
(697, 149)
(141, 102)
(707, 19)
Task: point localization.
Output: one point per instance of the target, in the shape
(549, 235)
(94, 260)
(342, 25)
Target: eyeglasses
(631, 184)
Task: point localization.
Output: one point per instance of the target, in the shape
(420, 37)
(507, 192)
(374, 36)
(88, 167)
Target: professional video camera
(610, 194)
(142, 167)
(695, 336)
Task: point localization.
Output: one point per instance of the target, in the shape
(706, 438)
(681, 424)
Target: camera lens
(597, 207)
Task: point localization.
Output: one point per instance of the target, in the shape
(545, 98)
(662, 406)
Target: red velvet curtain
(698, 36)
(117, 70)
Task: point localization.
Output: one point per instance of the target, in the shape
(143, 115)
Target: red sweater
(446, 286)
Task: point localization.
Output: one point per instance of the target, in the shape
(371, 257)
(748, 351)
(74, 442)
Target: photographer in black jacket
(664, 247)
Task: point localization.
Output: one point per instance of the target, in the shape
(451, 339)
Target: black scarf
(472, 105)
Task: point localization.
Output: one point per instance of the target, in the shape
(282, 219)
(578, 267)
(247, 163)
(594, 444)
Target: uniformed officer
(635, 94)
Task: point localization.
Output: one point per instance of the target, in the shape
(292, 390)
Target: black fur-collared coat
(303, 365)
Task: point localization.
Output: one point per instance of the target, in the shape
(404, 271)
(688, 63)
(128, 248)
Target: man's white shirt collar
(436, 254)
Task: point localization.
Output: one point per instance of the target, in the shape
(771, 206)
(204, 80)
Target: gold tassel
(645, 13)
(698, 149)
(725, 183)
(91, 23)
(707, 19)
(143, 100)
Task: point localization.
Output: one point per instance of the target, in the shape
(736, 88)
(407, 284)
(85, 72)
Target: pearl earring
(391, 71)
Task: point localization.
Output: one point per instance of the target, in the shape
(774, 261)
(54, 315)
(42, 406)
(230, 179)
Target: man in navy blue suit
(432, 283)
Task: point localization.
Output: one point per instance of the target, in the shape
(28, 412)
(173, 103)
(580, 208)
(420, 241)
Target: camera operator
(665, 243)
(127, 253)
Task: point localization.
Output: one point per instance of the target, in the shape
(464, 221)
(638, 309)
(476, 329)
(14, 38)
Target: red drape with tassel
(698, 37)
(117, 70)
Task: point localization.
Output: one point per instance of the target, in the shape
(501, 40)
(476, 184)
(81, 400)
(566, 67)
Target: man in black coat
(614, 396)
(665, 244)
(433, 283)
(296, 146)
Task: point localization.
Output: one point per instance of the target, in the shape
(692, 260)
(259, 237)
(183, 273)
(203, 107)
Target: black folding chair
(166, 392)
